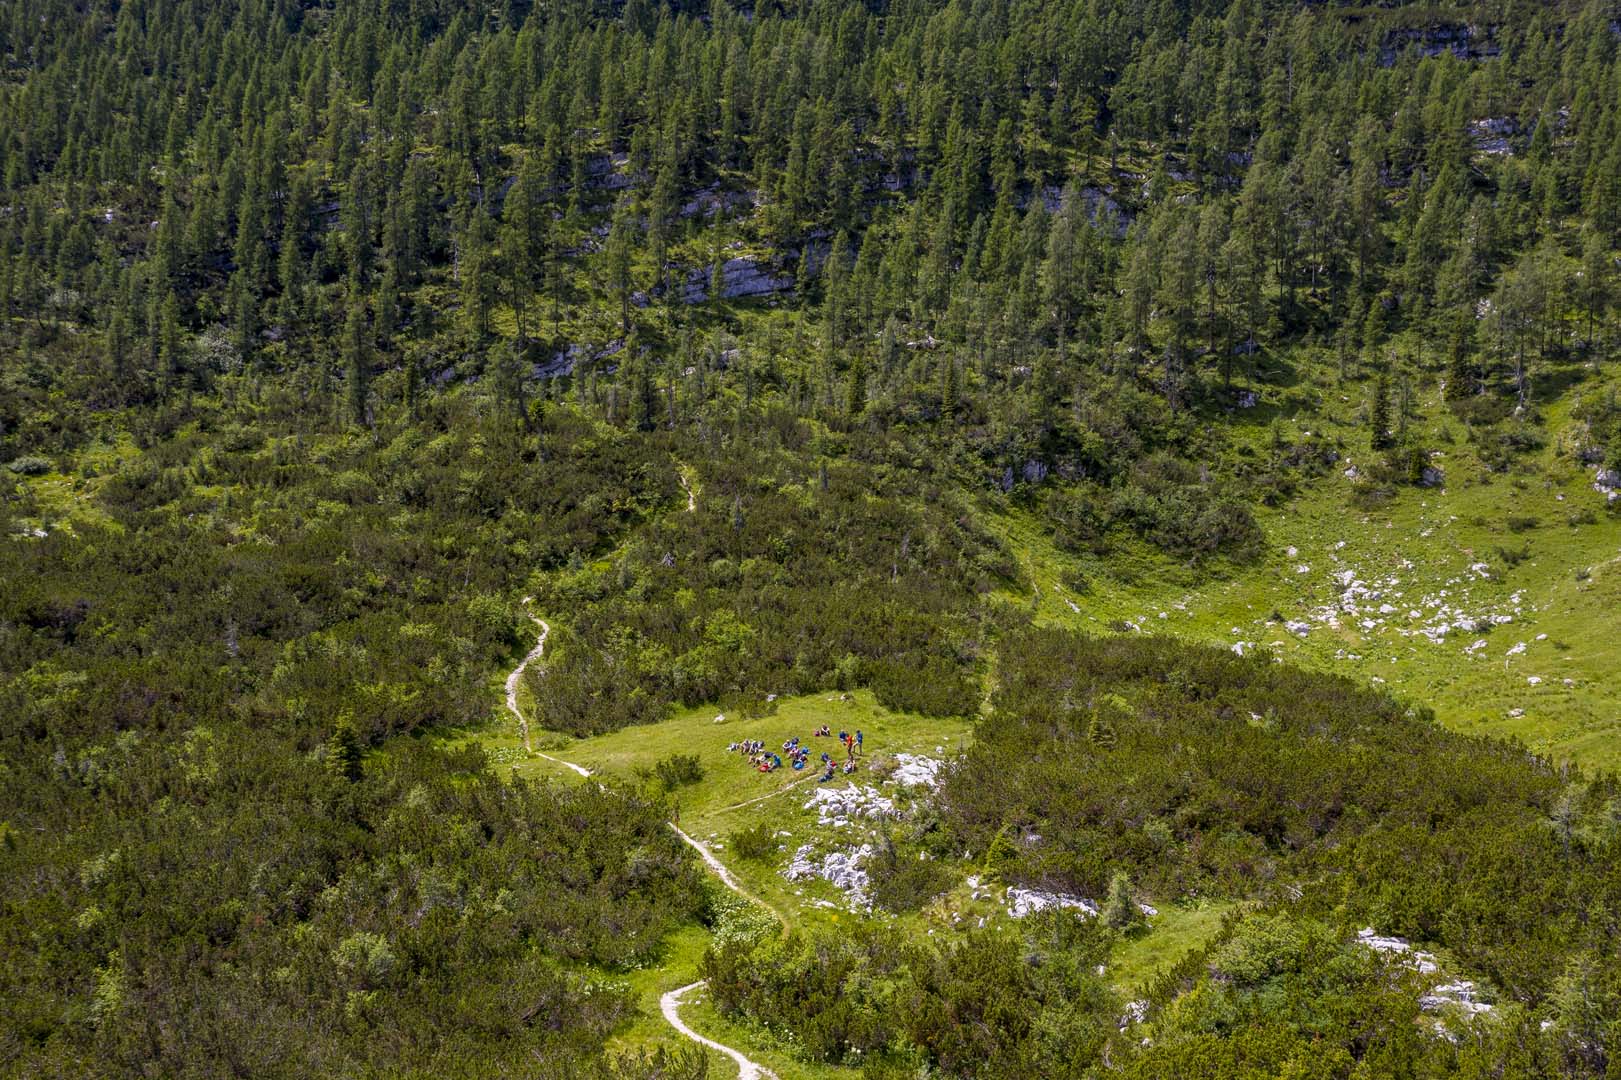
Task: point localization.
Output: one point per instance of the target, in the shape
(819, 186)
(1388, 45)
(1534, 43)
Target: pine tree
(1461, 380)
(1100, 733)
(618, 256)
(478, 275)
(855, 400)
(357, 363)
(166, 338)
(1594, 288)
(647, 397)
(1120, 911)
(343, 753)
(1379, 414)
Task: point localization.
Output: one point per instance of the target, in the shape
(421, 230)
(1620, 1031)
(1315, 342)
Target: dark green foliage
(905, 878)
(290, 275)
(343, 753)
(312, 881)
(1380, 436)
(753, 842)
(858, 585)
(677, 771)
(1265, 777)
(994, 1005)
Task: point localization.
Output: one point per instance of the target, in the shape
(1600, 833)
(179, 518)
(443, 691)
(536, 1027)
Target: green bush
(29, 466)
(903, 883)
(753, 842)
(677, 771)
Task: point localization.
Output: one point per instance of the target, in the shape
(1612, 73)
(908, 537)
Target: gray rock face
(564, 362)
(1461, 995)
(1431, 477)
(1390, 945)
(1607, 480)
(1102, 209)
(1463, 42)
(561, 364)
(712, 200)
(914, 770)
(740, 277)
(1494, 135)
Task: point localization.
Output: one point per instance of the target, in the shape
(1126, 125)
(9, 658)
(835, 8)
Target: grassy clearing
(1176, 930)
(1428, 550)
(1530, 557)
(732, 796)
(60, 500)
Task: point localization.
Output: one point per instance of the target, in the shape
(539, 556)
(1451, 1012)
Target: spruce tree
(1379, 414)
(855, 401)
(357, 363)
(1120, 911)
(343, 753)
(1461, 381)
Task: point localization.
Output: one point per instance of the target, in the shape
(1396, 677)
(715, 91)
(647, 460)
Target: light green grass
(64, 500)
(1177, 930)
(1427, 539)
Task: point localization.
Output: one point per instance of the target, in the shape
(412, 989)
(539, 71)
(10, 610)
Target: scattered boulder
(844, 870)
(912, 770)
(1022, 902)
(1462, 995)
(1421, 962)
(836, 806)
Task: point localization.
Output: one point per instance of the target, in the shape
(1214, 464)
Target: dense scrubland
(932, 354)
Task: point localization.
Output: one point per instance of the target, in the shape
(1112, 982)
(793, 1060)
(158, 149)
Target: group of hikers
(799, 752)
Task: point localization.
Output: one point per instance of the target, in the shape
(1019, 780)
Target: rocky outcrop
(740, 277)
(1464, 42)
(844, 870)
(913, 770)
(1023, 902)
(565, 361)
(837, 806)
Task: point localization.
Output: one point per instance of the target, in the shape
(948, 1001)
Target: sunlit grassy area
(1427, 549)
(1529, 561)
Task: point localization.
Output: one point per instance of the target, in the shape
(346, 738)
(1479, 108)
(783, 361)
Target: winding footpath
(767, 795)
(512, 695)
(669, 1003)
(686, 485)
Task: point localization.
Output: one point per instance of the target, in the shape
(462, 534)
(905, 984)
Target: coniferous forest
(1182, 436)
